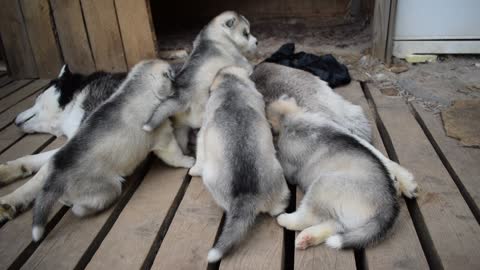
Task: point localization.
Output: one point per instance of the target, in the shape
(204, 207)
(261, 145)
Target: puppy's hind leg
(281, 202)
(316, 234)
(100, 200)
(196, 170)
(302, 218)
(172, 155)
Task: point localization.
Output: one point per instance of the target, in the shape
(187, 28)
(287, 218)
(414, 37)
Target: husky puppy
(223, 42)
(350, 200)
(59, 110)
(314, 95)
(273, 81)
(236, 157)
(88, 171)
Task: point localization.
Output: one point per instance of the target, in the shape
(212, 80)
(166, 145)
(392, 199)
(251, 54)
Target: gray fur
(236, 157)
(350, 199)
(217, 46)
(88, 171)
(273, 81)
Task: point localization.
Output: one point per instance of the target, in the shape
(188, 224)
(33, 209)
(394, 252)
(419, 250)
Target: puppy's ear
(231, 22)
(170, 74)
(65, 71)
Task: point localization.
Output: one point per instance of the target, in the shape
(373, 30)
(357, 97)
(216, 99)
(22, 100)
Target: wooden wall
(39, 36)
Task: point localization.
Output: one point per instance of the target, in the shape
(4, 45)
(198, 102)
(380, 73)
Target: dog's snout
(256, 42)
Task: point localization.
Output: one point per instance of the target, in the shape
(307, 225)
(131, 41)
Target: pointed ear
(230, 22)
(170, 74)
(64, 71)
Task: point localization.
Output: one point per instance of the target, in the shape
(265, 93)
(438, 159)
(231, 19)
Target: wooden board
(136, 29)
(8, 136)
(128, 243)
(261, 249)
(4, 80)
(12, 87)
(403, 241)
(7, 117)
(192, 231)
(15, 235)
(104, 35)
(16, 43)
(381, 36)
(453, 230)
(22, 93)
(463, 161)
(73, 35)
(42, 38)
(73, 237)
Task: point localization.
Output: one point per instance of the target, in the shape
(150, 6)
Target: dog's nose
(256, 42)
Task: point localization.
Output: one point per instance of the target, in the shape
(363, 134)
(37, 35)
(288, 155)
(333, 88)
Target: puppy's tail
(42, 208)
(239, 220)
(370, 232)
(277, 110)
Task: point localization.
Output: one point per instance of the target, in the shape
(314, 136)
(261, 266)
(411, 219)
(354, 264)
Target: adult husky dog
(59, 110)
(223, 42)
(236, 157)
(350, 199)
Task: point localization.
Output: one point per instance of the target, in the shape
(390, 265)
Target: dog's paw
(195, 171)
(304, 240)
(287, 221)
(410, 189)
(10, 173)
(188, 162)
(7, 212)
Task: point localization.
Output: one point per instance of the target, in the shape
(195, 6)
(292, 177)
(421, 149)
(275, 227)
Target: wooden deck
(167, 220)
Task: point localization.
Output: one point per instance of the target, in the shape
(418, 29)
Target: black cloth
(326, 67)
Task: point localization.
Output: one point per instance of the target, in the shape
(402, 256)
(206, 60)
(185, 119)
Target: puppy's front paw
(410, 189)
(188, 162)
(195, 171)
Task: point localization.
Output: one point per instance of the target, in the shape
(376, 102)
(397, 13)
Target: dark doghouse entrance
(311, 24)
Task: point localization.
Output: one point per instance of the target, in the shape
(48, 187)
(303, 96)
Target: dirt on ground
(433, 85)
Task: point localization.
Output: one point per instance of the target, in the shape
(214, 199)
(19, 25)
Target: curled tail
(370, 232)
(43, 205)
(239, 220)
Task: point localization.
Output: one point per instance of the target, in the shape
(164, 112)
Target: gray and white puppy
(314, 95)
(223, 42)
(236, 157)
(350, 199)
(88, 171)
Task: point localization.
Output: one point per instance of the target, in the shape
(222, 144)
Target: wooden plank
(381, 18)
(40, 29)
(138, 34)
(4, 80)
(104, 34)
(12, 87)
(403, 241)
(192, 231)
(463, 161)
(15, 235)
(322, 257)
(73, 35)
(72, 237)
(16, 43)
(8, 116)
(8, 136)
(453, 230)
(140, 221)
(21, 93)
(261, 249)
(391, 27)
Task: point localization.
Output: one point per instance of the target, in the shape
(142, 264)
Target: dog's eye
(245, 33)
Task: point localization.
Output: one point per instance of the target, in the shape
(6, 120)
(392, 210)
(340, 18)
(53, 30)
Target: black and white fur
(223, 42)
(350, 199)
(88, 171)
(236, 157)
